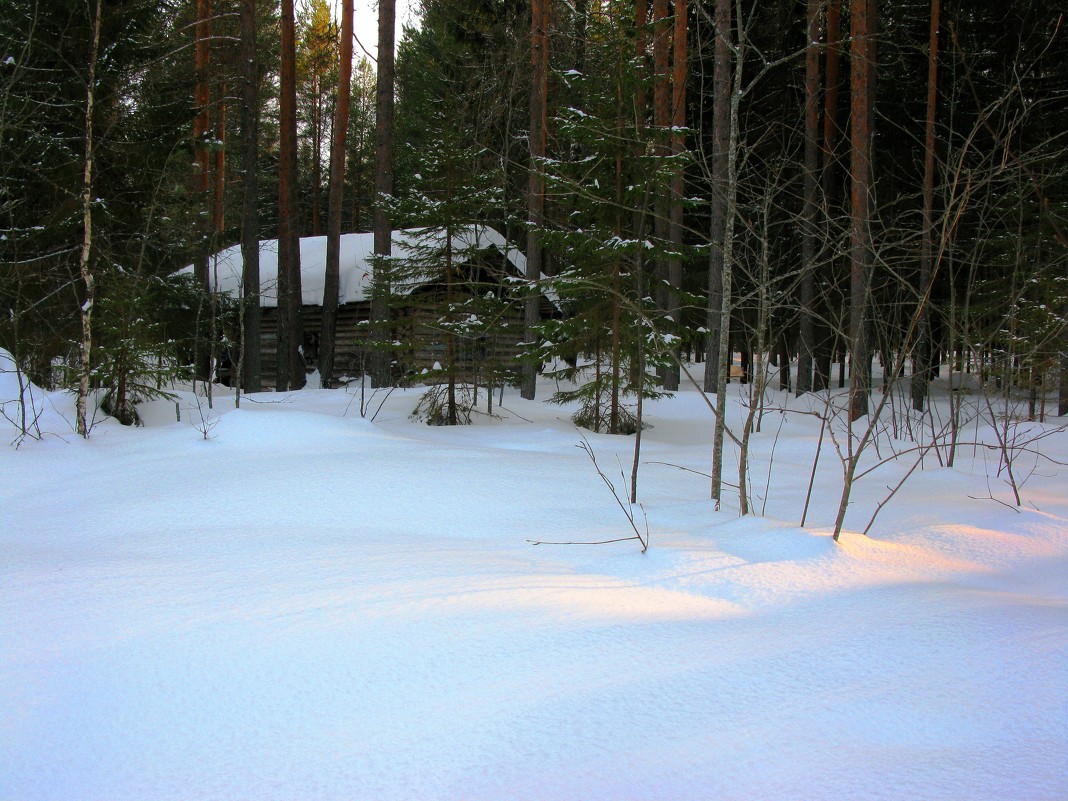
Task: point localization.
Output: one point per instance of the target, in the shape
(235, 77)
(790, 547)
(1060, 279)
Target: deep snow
(312, 605)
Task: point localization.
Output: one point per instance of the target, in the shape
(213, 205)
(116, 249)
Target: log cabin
(484, 263)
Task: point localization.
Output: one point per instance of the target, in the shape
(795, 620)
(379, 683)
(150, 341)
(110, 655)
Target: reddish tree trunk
(328, 334)
(641, 21)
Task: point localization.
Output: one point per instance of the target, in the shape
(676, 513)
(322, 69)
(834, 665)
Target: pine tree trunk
(809, 230)
(202, 168)
(328, 334)
(539, 63)
(250, 219)
(383, 226)
(218, 200)
(824, 337)
(317, 161)
(860, 77)
(720, 138)
(201, 125)
(678, 182)
(84, 267)
(921, 370)
(661, 123)
(290, 328)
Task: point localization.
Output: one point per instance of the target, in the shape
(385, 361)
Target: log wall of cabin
(500, 348)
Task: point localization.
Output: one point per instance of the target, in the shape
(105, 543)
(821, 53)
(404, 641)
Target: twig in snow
(628, 509)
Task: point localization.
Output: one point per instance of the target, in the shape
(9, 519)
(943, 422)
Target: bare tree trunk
(539, 63)
(860, 75)
(383, 226)
(290, 327)
(317, 160)
(661, 123)
(85, 350)
(720, 138)
(921, 370)
(201, 183)
(726, 274)
(824, 338)
(1062, 391)
(250, 218)
(201, 124)
(328, 334)
(809, 231)
(615, 410)
(218, 221)
(678, 182)
(452, 416)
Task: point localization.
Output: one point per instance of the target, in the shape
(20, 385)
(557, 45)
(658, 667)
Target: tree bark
(860, 74)
(730, 202)
(678, 179)
(539, 63)
(720, 137)
(383, 226)
(317, 161)
(823, 336)
(328, 335)
(250, 218)
(921, 369)
(810, 214)
(1062, 390)
(201, 125)
(218, 199)
(290, 322)
(661, 124)
(84, 267)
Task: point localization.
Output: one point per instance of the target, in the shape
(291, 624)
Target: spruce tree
(612, 331)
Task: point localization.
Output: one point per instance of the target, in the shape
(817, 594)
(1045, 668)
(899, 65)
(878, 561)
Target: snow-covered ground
(311, 605)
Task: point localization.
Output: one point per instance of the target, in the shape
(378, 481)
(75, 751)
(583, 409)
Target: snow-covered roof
(356, 268)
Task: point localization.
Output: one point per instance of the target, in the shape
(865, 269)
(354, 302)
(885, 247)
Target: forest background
(806, 184)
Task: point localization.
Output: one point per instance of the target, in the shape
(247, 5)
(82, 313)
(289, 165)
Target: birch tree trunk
(328, 335)
(84, 268)
(730, 208)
